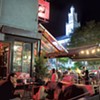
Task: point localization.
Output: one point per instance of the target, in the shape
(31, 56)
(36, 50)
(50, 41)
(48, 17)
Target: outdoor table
(25, 87)
(29, 87)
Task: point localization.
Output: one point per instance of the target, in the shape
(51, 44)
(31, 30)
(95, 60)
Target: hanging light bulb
(87, 52)
(98, 49)
(93, 51)
(82, 52)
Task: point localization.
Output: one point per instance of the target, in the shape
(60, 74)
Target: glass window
(21, 57)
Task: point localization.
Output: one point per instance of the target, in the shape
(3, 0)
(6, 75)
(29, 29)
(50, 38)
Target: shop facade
(19, 37)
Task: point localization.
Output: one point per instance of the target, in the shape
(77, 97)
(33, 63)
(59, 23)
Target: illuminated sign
(43, 10)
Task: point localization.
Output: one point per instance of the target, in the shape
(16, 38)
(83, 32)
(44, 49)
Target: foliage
(91, 64)
(94, 64)
(62, 67)
(41, 67)
(63, 60)
(86, 35)
(77, 65)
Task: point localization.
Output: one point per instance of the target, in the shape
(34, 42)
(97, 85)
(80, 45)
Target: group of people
(54, 88)
(86, 78)
(63, 89)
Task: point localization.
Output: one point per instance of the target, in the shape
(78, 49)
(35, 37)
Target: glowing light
(98, 49)
(82, 52)
(87, 52)
(29, 57)
(93, 51)
(15, 48)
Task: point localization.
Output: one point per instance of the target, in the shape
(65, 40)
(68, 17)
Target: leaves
(86, 35)
(78, 65)
(63, 60)
(40, 66)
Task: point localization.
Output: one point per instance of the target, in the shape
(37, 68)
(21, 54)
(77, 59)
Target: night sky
(87, 10)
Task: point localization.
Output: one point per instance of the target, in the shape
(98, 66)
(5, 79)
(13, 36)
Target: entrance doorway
(4, 59)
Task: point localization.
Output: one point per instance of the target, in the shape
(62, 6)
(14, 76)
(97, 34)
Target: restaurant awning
(49, 44)
(53, 49)
(89, 52)
(84, 53)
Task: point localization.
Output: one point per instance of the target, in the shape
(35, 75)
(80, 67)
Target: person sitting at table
(7, 89)
(45, 91)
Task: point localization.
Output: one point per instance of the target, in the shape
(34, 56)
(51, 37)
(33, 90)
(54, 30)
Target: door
(4, 58)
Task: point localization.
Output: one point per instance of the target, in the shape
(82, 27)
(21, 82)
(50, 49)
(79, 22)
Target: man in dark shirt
(7, 89)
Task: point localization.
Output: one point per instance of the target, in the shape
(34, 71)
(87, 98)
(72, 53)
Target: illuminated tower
(70, 27)
(72, 21)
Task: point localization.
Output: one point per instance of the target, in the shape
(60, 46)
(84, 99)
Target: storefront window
(21, 57)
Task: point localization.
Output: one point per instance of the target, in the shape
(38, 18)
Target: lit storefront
(19, 37)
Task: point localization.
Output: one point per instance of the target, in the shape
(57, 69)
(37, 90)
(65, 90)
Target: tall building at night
(72, 21)
(70, 26)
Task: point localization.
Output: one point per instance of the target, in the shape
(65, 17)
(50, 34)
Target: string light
(93, 51)
(90, 51)
(87, 52)
(82, 52)
(98, 49)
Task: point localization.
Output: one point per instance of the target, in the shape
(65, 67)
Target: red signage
(44, 8)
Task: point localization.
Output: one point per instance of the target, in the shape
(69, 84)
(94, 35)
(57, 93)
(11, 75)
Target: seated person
(7, 89)
(45, 92)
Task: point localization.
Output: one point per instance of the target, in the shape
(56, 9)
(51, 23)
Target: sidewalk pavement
(96, 97)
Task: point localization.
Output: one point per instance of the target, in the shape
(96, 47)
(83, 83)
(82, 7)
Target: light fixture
(98, 49)
(82, 52)
(93, 51)
(87, 52)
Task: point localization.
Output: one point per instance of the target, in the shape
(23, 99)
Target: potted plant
(41, 68)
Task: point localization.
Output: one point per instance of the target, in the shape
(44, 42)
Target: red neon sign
(43, 10)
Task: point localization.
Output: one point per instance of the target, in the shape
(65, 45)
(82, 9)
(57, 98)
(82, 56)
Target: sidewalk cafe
(56, 50)
(27, 85)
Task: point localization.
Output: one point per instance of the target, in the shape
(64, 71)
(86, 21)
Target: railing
(86, 95)
(79, 96)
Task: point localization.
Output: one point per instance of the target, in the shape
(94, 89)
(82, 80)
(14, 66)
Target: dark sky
(87, 10)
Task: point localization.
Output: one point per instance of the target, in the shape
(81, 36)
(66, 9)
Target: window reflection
(21, 57)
